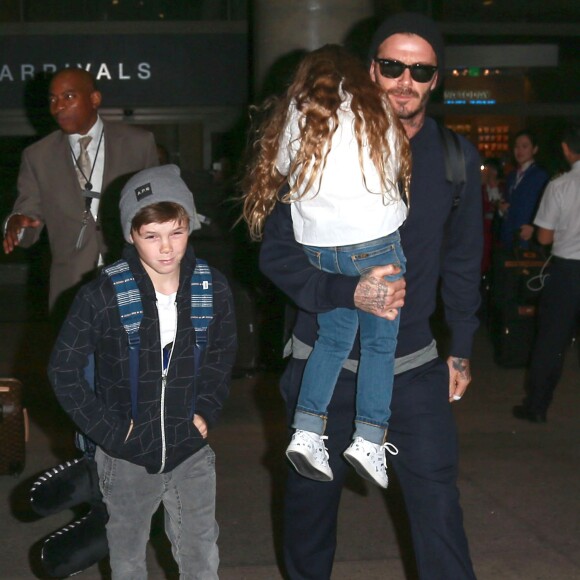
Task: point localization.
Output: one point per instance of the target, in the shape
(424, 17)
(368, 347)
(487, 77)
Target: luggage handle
(4, 389)
(26, 425)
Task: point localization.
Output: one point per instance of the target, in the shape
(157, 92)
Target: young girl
(335, 141)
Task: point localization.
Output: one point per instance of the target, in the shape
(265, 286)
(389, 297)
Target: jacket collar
(144, 282)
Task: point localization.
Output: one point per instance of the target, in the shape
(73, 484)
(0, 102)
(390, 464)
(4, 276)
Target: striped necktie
(83, 165)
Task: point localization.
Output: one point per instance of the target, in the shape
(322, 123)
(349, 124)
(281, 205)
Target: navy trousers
(423, 429)
(558, 317)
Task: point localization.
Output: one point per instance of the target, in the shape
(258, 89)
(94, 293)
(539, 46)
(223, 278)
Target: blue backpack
(131, 313)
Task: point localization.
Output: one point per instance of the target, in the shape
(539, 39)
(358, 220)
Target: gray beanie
(411, 23)
(153, 186)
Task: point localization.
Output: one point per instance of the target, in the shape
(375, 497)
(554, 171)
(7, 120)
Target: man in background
(558, 224)
(65, 176)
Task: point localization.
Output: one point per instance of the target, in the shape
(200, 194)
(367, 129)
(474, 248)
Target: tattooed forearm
(462, 366)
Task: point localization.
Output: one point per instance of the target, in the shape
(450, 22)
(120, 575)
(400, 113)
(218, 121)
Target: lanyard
(88, 184)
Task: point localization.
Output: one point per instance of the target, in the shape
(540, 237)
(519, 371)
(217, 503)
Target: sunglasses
(393, 69)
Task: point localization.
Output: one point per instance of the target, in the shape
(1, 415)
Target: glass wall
(121, 10)
(486, 11)
(499, 11)
(514, 11)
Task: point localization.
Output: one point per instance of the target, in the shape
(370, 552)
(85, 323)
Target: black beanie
(411, 23)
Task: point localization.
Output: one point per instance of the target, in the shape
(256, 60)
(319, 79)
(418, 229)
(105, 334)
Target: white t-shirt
(167, 317)
(560, 211)
(340, 209)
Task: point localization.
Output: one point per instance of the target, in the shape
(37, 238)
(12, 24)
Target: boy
(151, 435)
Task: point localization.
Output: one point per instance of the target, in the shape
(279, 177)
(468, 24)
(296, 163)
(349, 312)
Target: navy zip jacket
(440, 243)
(163, 434)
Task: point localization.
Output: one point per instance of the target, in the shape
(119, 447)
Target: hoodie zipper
(164, 371)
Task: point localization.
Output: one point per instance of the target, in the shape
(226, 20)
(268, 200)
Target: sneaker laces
(390, 448)
(380, 459)
(317, 441)
(324, 449)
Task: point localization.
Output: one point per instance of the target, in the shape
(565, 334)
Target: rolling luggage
(514, 332)
(248, 329)
(514, 300)
(13, 427)
(513, 277)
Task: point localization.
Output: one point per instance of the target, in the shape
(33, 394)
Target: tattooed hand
(459, 377)
(375, 295)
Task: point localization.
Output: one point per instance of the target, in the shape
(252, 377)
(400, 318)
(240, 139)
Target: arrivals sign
(133, 70)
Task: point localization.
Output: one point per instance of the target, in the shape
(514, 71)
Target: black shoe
(522, 412)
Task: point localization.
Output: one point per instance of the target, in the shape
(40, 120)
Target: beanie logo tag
(143, 191)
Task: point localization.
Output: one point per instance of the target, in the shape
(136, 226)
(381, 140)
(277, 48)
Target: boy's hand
(129, 432)
(201, 425)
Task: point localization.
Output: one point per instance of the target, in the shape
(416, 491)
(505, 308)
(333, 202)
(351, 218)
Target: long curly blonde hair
(317, 91)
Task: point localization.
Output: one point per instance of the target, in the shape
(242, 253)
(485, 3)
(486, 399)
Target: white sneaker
(369, 459)
(309, 456)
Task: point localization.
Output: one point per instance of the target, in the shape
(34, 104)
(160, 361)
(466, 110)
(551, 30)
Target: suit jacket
(48, 189)
(523, 199)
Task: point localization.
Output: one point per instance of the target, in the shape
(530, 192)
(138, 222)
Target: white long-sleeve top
(340, 209)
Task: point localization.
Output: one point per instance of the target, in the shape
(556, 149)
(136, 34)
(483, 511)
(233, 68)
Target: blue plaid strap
(201, 302)
(131, 313)
(201, 311)
(128, 299)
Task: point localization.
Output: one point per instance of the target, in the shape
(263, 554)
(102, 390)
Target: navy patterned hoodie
(163, 435)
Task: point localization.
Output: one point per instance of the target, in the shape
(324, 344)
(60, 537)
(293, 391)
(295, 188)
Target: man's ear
(434, 82)
(566, 151)
(96, 99)
(372, 71)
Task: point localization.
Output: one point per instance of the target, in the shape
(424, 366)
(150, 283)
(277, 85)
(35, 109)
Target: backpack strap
(201, 302)
(454, 162)
(131, 313)
(201, 311)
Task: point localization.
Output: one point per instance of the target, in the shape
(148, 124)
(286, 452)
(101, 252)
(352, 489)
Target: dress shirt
(97, 157)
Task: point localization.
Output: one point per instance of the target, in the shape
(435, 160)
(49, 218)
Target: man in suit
(524, 187)
(55, 191)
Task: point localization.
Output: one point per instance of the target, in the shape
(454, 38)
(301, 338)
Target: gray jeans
(188, 495)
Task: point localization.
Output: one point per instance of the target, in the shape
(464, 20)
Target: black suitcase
(514, 277)
(13, 427)
(248, 328)
(513, 333)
